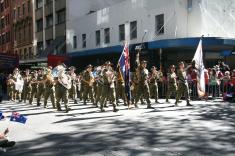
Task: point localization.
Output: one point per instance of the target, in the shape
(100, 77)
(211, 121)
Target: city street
(205, 129)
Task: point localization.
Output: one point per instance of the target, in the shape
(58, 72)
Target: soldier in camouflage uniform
(34, 85)
(108, 87)
(183, 84)
(172, 83)
(27, 89)
(143, 87)
(41, 87)
(62, 89)
(49, 88)
(73, 90)
(154, 76)
(99, 84)
(88, 80)
(120, 90)
(10, 88)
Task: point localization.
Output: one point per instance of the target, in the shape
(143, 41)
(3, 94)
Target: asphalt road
(207, 128)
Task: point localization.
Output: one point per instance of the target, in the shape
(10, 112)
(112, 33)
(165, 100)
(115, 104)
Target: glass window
(74, 42)
(83, 40)
(14, 14)
(39, 47)
(39, 4)
(39, 25)
(23, 11)
(122, 32)
(49, 20)
(133, 30)
(97, 34)
(18, 11)
(61, 16)
(29, 6)
(107, 35)
(159, 24)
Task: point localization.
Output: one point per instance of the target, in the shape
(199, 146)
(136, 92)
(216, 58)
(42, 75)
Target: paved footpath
(207, 129)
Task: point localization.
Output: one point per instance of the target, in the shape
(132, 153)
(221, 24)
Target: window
(2, 7)
(39, 25)
(97, 34)
(159, 24)
(14, 14)
(19, 35)
(190, 4)
(49, 42)
(39, 47)
(25, 54)
(29, 6)
(3, 39)
(2, 23)
(7, 37)
(23, 11)
(49, 1)
(107, 35)
(49, 20)
(83, 40)
(133, 30)
(122, 32)
(30, 31)
(74, 42)
(61, 16)
(18, 11)
(30, 53)
(39, 3)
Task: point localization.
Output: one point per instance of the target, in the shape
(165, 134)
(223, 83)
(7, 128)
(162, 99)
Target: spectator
(214, 83)
(4, 142)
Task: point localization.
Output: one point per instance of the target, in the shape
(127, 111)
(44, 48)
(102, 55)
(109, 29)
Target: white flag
(198, 58)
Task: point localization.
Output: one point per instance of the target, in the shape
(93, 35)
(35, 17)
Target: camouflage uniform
(27, 89)
(143, 86)
(183, 88)
(88, 86)
(73, 90)
(41, 88)
(108, 88)
(34, 87)
(153, 85)
(172, 84)
(49, 90)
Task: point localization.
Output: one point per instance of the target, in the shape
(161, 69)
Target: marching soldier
(154, 77)
(73, 90)
(88, 80)
(143, 87)
(34, 87)
(10, 87)
(27, 89)
(108, 87)
(183, 84)
(63, 84)
(120, 90)
(49, 87)
(172, 83)
(99, 84)
(41, 87)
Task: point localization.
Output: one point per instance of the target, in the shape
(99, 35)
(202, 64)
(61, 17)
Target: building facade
(170, 29)
(23, 29)
(50, 26)
(6, 40)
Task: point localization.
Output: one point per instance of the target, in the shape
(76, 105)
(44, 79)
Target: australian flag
(1, 116)
(16, 117)
(124, 69)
